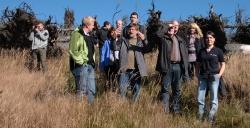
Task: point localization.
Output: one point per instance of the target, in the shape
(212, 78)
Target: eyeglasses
(171, 28)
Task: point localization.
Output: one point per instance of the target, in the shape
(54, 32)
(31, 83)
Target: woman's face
(113, 34)
(192, 31)
(210, 40)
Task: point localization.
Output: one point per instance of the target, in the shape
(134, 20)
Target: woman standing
(210, 67)
(109, 62)
(195, 43)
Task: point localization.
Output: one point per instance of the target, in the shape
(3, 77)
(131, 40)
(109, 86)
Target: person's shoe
(177, 112)
(166, 110)
(211, 120)
(201, 117)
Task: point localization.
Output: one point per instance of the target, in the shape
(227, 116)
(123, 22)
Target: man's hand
(141, 35)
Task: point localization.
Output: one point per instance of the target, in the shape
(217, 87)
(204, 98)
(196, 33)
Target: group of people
(122, 54)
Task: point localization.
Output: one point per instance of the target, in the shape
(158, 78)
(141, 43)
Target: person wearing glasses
(132, 63)
(172, 63)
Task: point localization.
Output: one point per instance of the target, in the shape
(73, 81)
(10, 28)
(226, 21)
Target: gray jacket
(138, 56)
(39, 39)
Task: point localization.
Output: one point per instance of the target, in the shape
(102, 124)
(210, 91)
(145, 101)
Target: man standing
(134, 19)
(132, 64)
(39, 37)
(119, 27)
(172, 63)
(103, 33)
(81, 50)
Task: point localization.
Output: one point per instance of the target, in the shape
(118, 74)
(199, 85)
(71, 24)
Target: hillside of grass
(37, 100)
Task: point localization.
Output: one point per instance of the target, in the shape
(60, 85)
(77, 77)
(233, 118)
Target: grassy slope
(45, 100)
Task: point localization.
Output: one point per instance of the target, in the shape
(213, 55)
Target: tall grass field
(47, 100)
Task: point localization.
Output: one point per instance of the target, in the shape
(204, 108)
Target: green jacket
(78, 49)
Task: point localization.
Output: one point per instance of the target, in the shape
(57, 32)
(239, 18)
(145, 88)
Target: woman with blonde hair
(195, 43)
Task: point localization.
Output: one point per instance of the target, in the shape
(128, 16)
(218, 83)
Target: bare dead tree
(117, 11)
(153, 25)
(69, 18)
(16, 26)
(238, 16)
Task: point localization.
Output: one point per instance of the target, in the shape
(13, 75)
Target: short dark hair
(38, 22)
(134, 25)
(210, 33)
(134, 13)
(112, 29)
(105, 23)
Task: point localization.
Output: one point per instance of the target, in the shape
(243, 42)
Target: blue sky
(104, 9)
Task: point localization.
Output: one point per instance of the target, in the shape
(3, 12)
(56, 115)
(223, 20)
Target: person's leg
(176, 87)
(39, 59)
(80, 81)
(123, 83)
(192, 70)
(33, 59)
(116, 75)
(112, 77)
(91, 86)
(136, 80)
(42, 52)
(166, 82)
(214, 97)
(107, 81)
(202, 87)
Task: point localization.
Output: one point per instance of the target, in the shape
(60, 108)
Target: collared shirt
(209, 61)
(86, 33)
(175, 54)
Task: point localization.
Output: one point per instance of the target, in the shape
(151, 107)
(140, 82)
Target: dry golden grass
(34, 99)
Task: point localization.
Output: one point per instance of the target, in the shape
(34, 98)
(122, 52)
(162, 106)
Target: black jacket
(164, 46)
(102, 35)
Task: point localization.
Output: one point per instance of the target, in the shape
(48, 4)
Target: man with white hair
(119, 27)
(172, 63)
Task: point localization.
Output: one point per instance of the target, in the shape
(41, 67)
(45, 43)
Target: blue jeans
(130, 78)
(85, 82)
(171, 78)
(213, 88)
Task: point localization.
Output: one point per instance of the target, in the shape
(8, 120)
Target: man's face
(171, 30)
(119, 24)
(108, 26)
(134, 19)
(91, 26)
(133, 32)
(176, 26)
